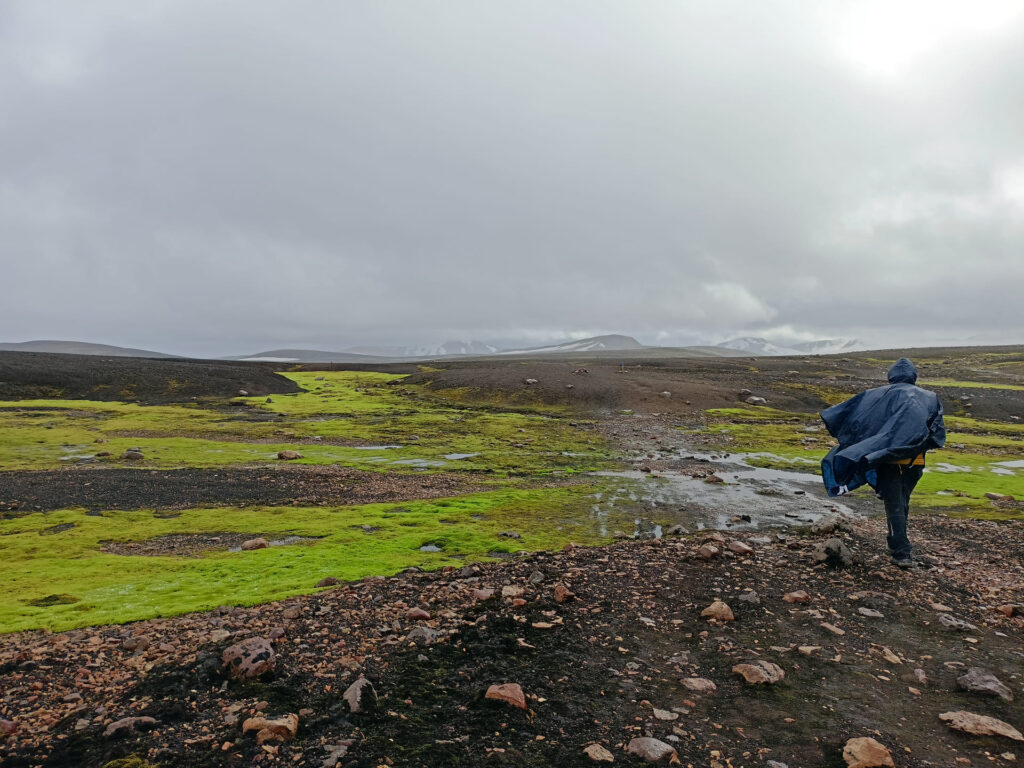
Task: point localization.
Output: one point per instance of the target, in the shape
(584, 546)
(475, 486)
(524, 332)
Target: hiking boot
(903, 562)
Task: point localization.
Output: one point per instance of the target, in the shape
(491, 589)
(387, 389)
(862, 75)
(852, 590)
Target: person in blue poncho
(883, 435)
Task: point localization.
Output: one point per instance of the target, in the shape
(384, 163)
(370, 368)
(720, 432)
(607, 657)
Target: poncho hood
(903, 372)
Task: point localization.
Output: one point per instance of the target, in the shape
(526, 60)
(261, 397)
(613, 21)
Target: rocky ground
(741, 648)
(608, 646)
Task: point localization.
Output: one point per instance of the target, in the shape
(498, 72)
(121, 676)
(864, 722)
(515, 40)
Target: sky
(222, 177)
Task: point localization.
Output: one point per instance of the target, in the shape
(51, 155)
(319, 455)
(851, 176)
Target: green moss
(344, 410)
(969, 384)
(111, 588)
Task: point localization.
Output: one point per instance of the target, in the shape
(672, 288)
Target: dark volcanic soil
(594, 669)
(30, 491)
(30, 375)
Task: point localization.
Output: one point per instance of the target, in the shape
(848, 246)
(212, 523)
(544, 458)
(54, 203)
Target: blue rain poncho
(881, 425)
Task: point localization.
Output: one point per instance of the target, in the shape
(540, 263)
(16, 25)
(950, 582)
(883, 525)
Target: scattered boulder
(483, 594)
(760, 672)
(999, 497)
(511, 590)
(136, 643)
(870, 613)
(530, 382)
(740, 548)
(289, 455)
(417, 614)
(977, 680)
(955, 624)
(361, 696)
(831, 524)
(718, 611)
(699, 685)
(251, 544)
(653, 750)
(709, 551)
(292, 612)
(132, 454)
(563, 594)
(128, 725)
(598, 754)
(833, 553)
(7, 728)
(755, 400)
(328, 581)
(510, 693)
(250, 658)
(750, 597)
(422, 635)
(865, 752)
(798, 596)
(279, 729)
(1009, 610)
(980, 725)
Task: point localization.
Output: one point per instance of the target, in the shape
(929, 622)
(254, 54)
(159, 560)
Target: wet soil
(29, 491)
(195, 544)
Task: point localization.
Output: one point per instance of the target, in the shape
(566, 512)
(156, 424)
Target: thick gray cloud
(212, 177)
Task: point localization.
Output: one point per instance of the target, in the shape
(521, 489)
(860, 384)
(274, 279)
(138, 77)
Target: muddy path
(673, 477)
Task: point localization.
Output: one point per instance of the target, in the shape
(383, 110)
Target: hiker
(883, 435)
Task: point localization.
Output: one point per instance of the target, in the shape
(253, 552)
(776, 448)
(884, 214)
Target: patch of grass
(954, 383)
(109, 588)
(345, 410)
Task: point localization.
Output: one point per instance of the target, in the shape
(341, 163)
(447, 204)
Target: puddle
(748, 498)
(418, 462)
(285, 542)
(374, 447)
(430, 548)
(457, 456)
(1016, 464)
(943, 466)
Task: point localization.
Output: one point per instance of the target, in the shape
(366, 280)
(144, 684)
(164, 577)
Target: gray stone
(422, 635)
(360, 696)
(833, 553)
(652, 750)
(977, 680)
(958, 625)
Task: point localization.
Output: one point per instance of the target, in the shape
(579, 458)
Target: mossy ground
(58, 575)
(61, 577)
(350, 413)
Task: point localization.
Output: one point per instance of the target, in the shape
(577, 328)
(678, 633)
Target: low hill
(59, 347)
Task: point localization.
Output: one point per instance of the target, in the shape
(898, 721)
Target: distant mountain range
(763, 347)
(595, 345)
(610, 343)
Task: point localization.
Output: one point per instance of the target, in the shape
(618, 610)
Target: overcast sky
(216, 177)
